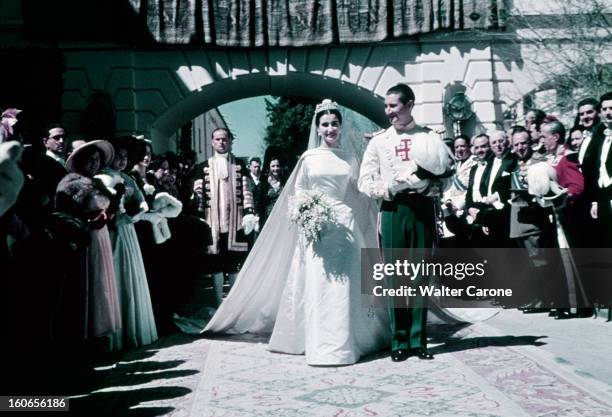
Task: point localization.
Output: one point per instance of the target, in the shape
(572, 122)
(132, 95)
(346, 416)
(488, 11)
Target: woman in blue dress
(134, 299)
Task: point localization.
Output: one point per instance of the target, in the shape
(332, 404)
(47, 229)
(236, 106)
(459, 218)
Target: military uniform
(407, 213)
(460, 181)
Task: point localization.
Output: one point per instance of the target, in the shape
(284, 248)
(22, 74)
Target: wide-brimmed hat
(11, 112)
(106, 150)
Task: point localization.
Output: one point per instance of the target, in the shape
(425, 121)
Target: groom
(407, 213)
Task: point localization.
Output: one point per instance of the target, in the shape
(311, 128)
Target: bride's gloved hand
(250, 222)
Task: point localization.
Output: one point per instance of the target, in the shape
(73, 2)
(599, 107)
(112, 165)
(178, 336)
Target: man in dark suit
(588, 118)
(496, 219)
(598, 191)
(477, 190)
(254, 184)
(601, 185)
(253, 179)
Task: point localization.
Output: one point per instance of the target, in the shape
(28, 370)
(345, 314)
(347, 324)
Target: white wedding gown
(309, 296)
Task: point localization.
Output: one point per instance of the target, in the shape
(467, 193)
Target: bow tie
(482, 163)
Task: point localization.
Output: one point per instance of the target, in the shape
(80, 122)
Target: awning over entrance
(248, 23)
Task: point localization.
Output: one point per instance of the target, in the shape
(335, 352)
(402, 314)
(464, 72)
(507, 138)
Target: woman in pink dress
(101, 305)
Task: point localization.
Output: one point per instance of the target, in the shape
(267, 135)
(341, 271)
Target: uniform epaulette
(370, 135)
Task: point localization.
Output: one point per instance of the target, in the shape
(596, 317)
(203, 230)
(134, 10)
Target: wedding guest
(141, 165)
(54, 142)
(165, 169)
(601, 186)
(269, 190)
(254, 179)
(454, 197)
(11, 177)
(75, 144)
(575, 138)
(103, 317)
(587, 118)
(223, 198)
(135, 302)
(532, 226)
(497, 218)
(533, 120)
(11, 181)
(7, 122)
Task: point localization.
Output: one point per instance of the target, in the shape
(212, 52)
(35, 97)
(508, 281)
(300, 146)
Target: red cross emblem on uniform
(404, 148)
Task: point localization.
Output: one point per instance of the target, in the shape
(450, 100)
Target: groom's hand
(378, 189)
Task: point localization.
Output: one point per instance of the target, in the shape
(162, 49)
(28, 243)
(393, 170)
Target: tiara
(326, 104)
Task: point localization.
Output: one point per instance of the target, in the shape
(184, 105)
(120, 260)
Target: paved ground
(510, 365)
(582, 343)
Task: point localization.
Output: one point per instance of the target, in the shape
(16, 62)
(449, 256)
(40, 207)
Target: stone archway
(296, 84)
(155, 91)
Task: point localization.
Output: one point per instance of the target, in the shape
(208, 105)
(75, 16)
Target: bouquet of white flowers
(311, 211)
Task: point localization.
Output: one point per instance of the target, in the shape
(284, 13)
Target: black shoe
(399, 355)
(421, 353)
(536, 310)
(564, 315)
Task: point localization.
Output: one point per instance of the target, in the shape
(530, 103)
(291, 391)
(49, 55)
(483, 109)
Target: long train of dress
(308, 297)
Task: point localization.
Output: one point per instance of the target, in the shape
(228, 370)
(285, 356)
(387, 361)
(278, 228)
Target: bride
(309, 296)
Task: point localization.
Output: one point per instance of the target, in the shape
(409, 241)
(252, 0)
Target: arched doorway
(297, 84)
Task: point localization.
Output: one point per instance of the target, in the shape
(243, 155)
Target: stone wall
(156, 92)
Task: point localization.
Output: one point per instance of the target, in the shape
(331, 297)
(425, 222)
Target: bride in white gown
(309, 296)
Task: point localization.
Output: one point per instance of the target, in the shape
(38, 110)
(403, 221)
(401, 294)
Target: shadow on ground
(456, 338)
(107, 384)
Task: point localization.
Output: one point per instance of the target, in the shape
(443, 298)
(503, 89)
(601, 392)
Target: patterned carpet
(476, 373)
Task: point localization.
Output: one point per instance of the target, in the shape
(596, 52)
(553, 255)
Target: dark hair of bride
(328, 111)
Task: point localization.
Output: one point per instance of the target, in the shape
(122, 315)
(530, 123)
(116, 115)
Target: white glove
(250, 222)
(379, 189)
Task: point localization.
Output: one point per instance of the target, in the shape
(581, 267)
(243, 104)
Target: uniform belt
(411, 197)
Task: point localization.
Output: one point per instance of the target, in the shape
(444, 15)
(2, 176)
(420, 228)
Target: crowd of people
(535, 186)
(101, 217)
(119, 232)
(84, 241)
